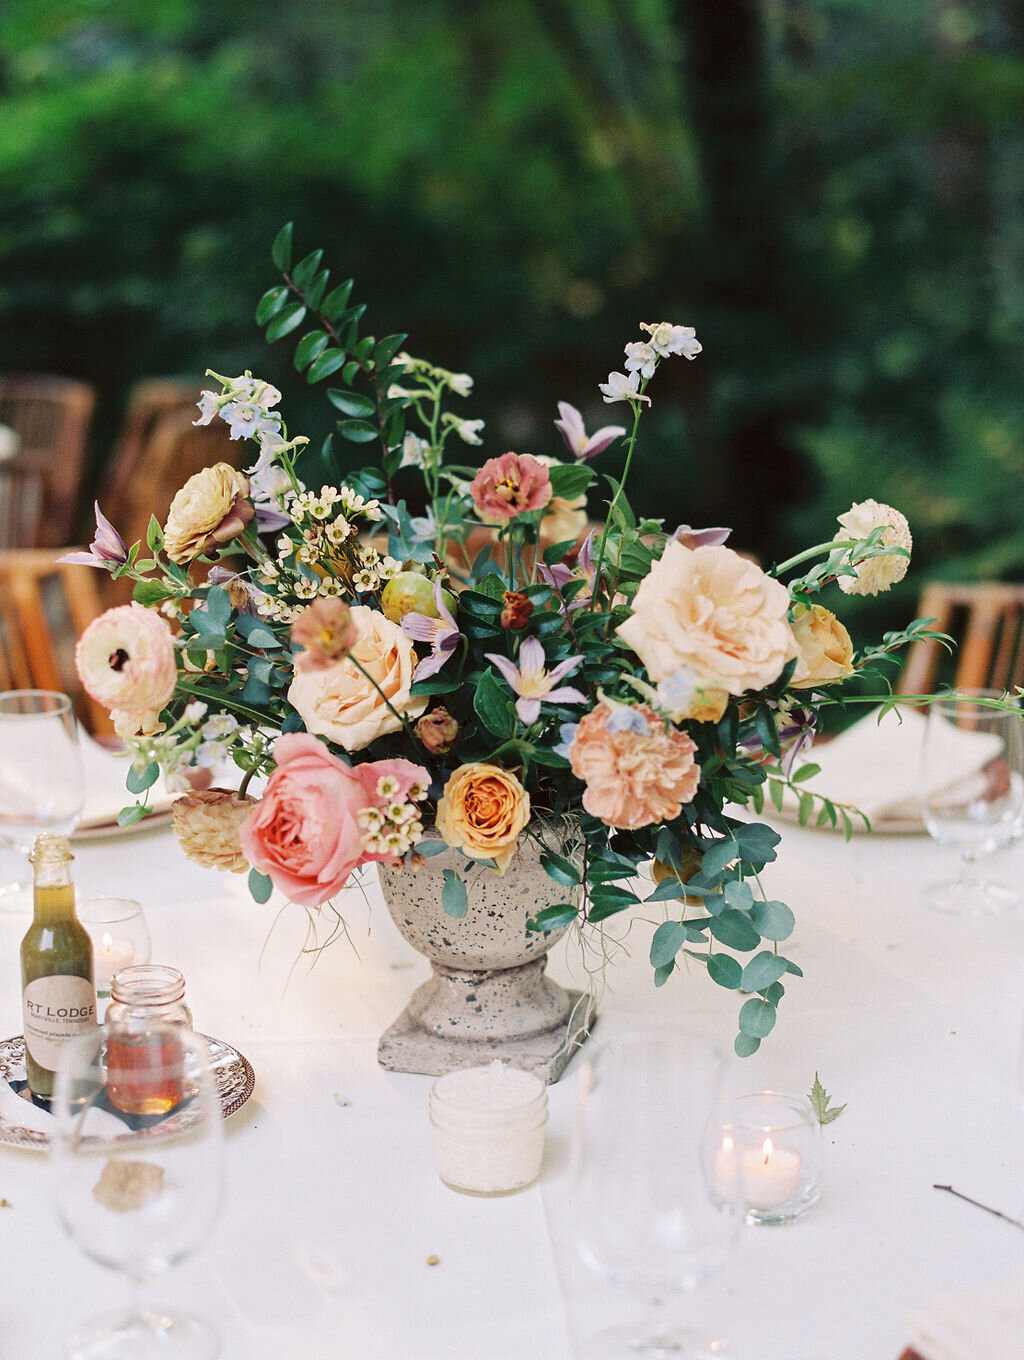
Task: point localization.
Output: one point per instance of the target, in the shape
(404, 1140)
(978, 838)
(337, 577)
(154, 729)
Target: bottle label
(56, 1008)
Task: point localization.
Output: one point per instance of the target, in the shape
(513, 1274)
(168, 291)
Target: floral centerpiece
(472, 663)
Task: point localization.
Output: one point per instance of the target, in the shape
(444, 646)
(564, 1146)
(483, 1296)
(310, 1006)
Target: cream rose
(826, 652)
(715, 612)
(482, 811)
(339, 702)
(211, 508)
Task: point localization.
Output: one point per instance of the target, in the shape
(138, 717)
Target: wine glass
(656, 1202)
(42, 787)
(138, 1162)
(972, 795)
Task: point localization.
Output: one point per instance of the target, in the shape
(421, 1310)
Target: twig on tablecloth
(978, 1205)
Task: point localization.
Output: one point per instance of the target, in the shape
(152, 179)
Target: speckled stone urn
(488, 996)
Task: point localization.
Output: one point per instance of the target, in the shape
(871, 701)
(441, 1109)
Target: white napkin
(983, 1322)
(105, 793)
(875, 765)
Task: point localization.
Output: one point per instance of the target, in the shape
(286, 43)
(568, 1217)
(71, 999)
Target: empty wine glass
(656, 1201)
(138, 1162)
(42, 787)
(972, 795)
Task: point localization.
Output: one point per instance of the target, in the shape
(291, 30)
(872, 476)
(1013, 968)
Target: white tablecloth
(334, 1206)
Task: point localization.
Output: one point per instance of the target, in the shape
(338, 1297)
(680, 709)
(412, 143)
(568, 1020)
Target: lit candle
(108, 956)
(770, 1174)
(489, 1128)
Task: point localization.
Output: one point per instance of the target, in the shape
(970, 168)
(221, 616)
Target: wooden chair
(51, 416)
(987, 621)
(44, 606)
(148, 403)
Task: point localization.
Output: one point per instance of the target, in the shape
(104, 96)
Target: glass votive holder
(488, 1127)
(775, 1149)
(120, 937)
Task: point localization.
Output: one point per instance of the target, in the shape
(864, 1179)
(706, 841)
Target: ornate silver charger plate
(232, 1073)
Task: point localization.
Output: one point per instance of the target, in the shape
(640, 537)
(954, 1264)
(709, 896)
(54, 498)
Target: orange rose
(482, 811)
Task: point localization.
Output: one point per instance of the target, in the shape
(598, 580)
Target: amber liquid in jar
(145, 1064)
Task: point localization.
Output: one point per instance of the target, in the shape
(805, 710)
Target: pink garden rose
(638, 770)
(126, 660)
(304, 832)
(715, 612)
(508, 486)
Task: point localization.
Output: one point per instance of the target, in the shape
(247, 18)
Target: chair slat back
(44, 607)
(51, 416)
(987, 621)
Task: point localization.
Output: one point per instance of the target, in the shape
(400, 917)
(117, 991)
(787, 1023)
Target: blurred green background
(829, 190)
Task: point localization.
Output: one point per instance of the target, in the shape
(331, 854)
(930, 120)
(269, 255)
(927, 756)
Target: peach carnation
(637, 770)
(508, 486)
(715, 612)
(207, 824)
(125, 659)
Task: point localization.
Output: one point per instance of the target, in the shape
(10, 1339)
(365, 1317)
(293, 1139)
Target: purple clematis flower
(572, 430)
(108, 549)
(533, 683)
(442, 633)
(699, 538)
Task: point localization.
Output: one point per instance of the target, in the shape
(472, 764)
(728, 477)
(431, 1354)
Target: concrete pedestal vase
(488, 996)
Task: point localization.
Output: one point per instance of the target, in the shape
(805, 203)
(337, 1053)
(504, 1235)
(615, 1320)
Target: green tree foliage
(827, 189)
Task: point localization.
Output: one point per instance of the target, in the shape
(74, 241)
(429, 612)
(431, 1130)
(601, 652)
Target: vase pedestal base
(467, 1019)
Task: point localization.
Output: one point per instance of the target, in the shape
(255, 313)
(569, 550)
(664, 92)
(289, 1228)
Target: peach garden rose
(826, 652)
(345, 705)
(715, 612)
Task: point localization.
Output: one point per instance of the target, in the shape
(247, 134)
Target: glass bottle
(145, 1068)
(58, 995)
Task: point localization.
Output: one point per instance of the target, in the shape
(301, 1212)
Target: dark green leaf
(281, 250)
(270, 304)
(289, 320)
(358, 431)
(805, 772)
(311, 344)
(561, 870)
(553, 918)
(304, 271)
(329, 362)
(336, 301)
(351, 403)
(493, 707)
(387, 348)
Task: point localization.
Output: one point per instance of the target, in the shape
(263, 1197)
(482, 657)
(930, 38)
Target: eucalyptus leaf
(138, 781)
(454, 897)
(757, 1017)
(666, 942)
(260, 886)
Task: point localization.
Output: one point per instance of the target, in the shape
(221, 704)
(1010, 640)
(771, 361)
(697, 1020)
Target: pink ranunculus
(638, 771)
(304, 832)
(510, 485)
(125, 659)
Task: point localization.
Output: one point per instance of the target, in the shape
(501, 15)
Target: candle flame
(766, 1149)
(108, 942)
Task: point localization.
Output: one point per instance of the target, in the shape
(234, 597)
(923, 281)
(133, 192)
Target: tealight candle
(770, 1174)
(110, 954)
(489, 1128)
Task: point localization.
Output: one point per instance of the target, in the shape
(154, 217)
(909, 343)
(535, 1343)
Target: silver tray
(232, 1073)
